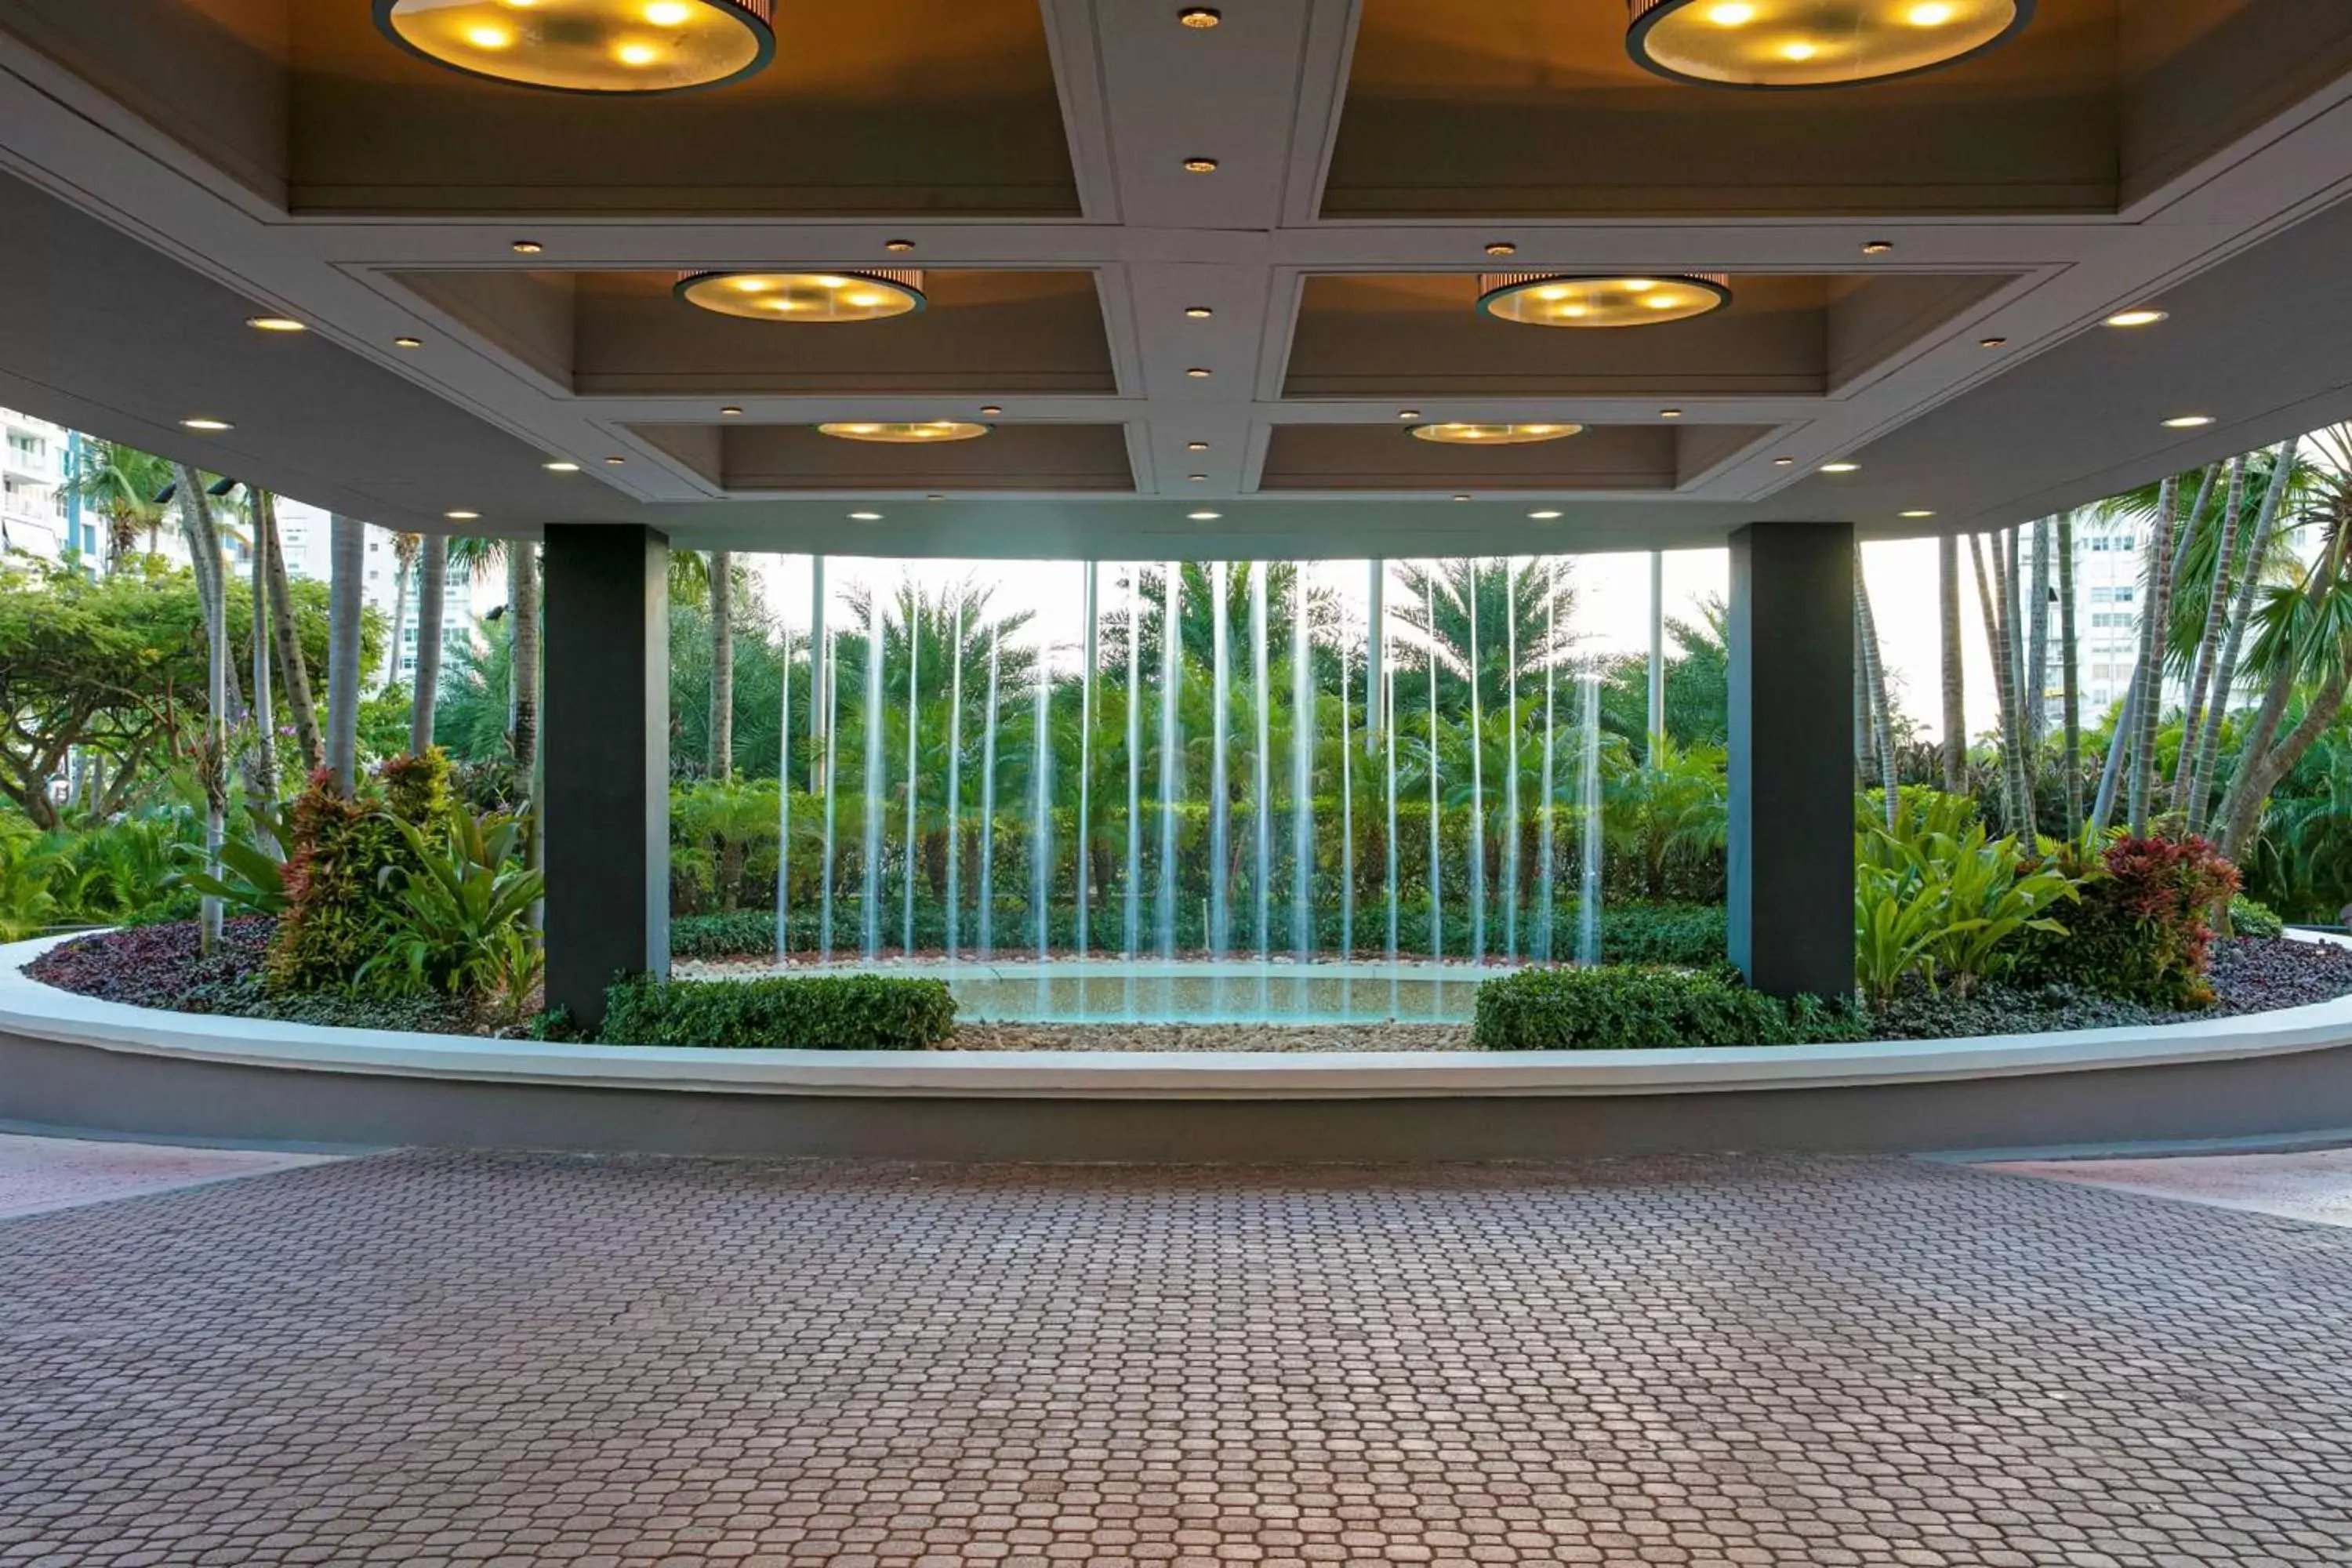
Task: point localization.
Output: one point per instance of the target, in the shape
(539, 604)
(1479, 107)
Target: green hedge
(1620, 1008)
(2252, 917)
(832, 1012)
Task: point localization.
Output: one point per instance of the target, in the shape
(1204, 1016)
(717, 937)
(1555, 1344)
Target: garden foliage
(831, 1012)
(2143, 930)
(1644, 1008)
(348, 862)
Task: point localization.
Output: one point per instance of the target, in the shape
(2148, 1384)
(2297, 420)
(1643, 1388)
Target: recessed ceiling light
(811, 297)
(408, 343)
(1204, 516)
(1461, 498)
(462, 516)
(526, 247)
(906, 432)
(1199, 313)
(1840, 467)
(898, 246)
(560, 466)
(592, 46)
(275, 324)
(1201, 16)
(935, 498)
(1918, 513)
(1992, 343)
(1543, 516)
(1670, 412)
(730, 411)
(1198, 478)
(1501, 248)
(1876, 246)
(992, 408)
(1196, 445)
(1407, 413)
(1198, 373)
(1492, 434)
(2188, 421)
(1782, 462)
(617, 462)
(207, 424)
(864, 517)
(2143, 317)
(1562, 300)
(1199, 165)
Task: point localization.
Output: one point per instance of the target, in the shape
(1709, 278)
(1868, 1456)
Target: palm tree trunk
(2037, 636)
(345, 607)
(523, 606)
(399, 615)
(287, 633)
(2208, 653)
(2019, 749)
(2242, 806)
(722, 666)
(2147, 678)
(263, 764)
(212, 763)
(2241, 613)
(1998, 645)
(1882, 717)
(432, 593)
(2070, 685)
(1955, 713)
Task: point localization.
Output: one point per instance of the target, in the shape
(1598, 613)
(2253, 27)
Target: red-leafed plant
(2144, 929)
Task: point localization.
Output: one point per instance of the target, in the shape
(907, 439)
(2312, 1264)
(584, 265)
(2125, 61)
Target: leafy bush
(253, 870)
(1937, 901)
(832, 1012)
(459, 927)
(1643, 1007)
(1690, 936)
(2142, 930)
(723, 936)
(2252, 918)
(341, 901)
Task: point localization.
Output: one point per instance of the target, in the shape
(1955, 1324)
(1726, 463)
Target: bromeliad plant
(1938, 900)
(460, 923)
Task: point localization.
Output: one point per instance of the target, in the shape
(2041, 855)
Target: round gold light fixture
(905, 432)
(588, 45)
(1491, 434)
(1560, 299)
(811, 296)
(1814, 43)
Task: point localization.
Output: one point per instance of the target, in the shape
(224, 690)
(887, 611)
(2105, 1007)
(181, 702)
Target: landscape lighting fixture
(588, 45)
(1562, 300)
(1813, 43)
(1491, 434)
(815, 298)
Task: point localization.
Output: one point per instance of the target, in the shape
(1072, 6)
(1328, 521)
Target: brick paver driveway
(425, 1359)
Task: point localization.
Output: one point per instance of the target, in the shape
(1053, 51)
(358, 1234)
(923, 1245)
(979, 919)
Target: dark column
(606, 755)
(1792, 846)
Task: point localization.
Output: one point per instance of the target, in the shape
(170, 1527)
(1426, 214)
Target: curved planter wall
(70, 1061)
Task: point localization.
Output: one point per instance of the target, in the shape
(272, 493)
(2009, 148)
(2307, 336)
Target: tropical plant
(1938, 901)
(28, 902)
(462, 893)
(1674, 804)
(253, 867)
(124, 485)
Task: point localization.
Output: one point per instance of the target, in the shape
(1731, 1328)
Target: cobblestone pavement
(41, 1174)
(2314, 1185)
(429, 1359)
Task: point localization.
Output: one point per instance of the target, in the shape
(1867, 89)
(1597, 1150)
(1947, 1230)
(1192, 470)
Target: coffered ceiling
(1919, 272)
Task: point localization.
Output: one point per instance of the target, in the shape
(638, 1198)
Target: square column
(605, 754)
(1791, 860)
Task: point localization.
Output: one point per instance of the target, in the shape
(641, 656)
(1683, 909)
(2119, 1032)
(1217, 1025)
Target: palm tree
(291, 669)
(1956, 719)
(432, 589)
(405, 550)
(722, 664)
(123, 483)
(2263, 549)
(2070, 677)
(2204, 653)
(345, 608)
(522, 604)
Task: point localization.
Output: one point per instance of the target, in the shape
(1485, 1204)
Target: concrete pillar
(1792, 831)
(605, 813)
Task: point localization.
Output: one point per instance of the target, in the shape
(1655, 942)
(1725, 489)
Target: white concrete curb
(31, 1010)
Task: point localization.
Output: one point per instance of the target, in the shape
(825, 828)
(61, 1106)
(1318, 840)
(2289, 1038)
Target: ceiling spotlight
(1876, 246)
(1560, 299)
(560, 466)
(408, 343)
(1198, 373)
(1543, 516)
(864, 517)
(992, 408)
(1200, 17)
(729, 411)
(1813, 43)
(1199, 165)
(2140, 318)
(935, 498)
(526, 248)
(1461, 498)
(1670, 412)
(1918, 513)
(275, 324)
(1992, 343)
(588, 45)
(898, 246)
(1204, 516)
(1407, 413)
(1501, 248)
(1841, 467)
(817, 297)
(616, 462)
(2189, 422)
(206, 424)
(462, 516)
(1198, 478)
(1199, 313)
(907, 433)
(1491, 434)
(1196, 445)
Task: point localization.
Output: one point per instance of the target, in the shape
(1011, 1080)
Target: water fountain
(988, 808)
(1220, 791)
(1171, 766)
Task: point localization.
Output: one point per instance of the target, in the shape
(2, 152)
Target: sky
(1613, 599)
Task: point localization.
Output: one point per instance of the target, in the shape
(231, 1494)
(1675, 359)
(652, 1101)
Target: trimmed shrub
(2252, 917)
(732, 935)
(831, 1012)
(1623, 1008)
(2142, 928)
(1690, 936)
